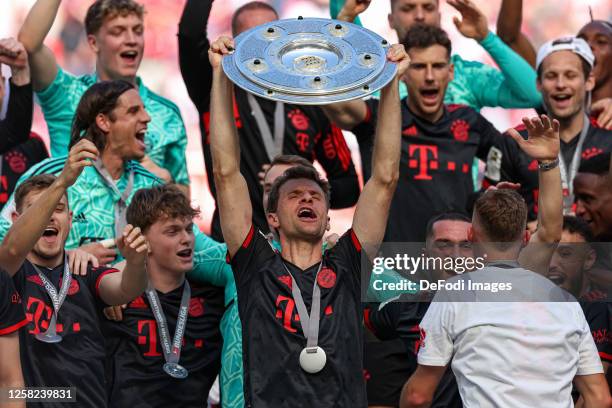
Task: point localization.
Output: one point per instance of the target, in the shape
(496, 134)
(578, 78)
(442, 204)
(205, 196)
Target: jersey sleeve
(94, 279)
(501, 160)
(436, 341)
(15, 128)
(588, 359)
(246, 262)
(334, 155)
(599, 319)
(513, 86)
(193, 52)
(489, 136)
(12, 317)
(365, 130)
(390, 321)
(58, 109)
(348, 250)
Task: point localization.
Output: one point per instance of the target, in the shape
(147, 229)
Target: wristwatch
(548, 165)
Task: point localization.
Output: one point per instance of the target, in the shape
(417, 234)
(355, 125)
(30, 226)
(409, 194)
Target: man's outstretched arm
(233, 200)
(32, 35)
(372, 210)
(29, 227)
(509, 30)
(543, 145)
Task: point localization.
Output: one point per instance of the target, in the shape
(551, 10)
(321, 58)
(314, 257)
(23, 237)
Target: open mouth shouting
(140, 138)
(185, 255)
(306, 214)
(429, 96)
(50, 235)
(129, 57)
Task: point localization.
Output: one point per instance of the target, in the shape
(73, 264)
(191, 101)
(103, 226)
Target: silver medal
(312, 359)
(48, 337)
(176, 371)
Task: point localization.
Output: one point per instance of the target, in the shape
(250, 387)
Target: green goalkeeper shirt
(166, 139)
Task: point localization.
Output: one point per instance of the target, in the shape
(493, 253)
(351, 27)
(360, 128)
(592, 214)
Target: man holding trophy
(301, 309)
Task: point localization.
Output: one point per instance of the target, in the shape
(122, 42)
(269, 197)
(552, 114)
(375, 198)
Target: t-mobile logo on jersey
(419, 158)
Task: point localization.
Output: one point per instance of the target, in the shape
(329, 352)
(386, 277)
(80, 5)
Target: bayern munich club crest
(460, 129)
(326, 278)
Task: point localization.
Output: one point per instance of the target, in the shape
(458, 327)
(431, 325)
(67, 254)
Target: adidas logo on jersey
(80, 217)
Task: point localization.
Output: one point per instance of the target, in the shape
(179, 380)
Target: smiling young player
(62, 345)
(565, 79)
(115, 33)
(166, 350)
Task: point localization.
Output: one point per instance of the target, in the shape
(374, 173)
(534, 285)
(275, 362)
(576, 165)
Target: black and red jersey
(507, 162)
(435, 166)
(16, 161)
(12, 317)
(308, 132)
(596, 307)
(135, 356)
(78, 360)
(401, 320)
(272, 373)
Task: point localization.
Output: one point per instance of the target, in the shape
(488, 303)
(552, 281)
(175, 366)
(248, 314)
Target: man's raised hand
(133, 245)
(221, 46)
(82, 155)
(397, 53)
(473, 23)
(542, 143)
(353, 8)
(13, 54)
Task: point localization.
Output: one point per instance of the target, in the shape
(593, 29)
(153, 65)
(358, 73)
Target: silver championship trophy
(309, 61)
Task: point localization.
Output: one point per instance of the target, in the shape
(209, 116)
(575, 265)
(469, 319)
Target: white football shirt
(519, 348)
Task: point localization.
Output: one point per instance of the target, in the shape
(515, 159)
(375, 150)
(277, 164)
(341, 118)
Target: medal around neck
(309, 61)
(48, 337)
(175, 370)
(312, 359)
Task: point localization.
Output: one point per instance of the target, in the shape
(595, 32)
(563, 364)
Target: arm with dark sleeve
(599, 320)
(500, 161)
(393, 320)
(334, 155)
(15, 128)
(509, 30)
(193, 52)
(513, 86)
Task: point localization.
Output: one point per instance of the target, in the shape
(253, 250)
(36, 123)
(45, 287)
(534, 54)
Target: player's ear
(590, 82)
(328, 226)
(273, 220)
(93, 43)
(14, 216)
(470, 234)
(103, 122)
(590, 259)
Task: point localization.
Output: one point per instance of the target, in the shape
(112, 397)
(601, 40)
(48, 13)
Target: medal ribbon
(121, 206)
(172, 353)
(567, 175)
(56, 300)
(310, 323)
(273, 146)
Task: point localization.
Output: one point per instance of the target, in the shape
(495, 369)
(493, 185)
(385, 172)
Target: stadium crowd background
(542, 20)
